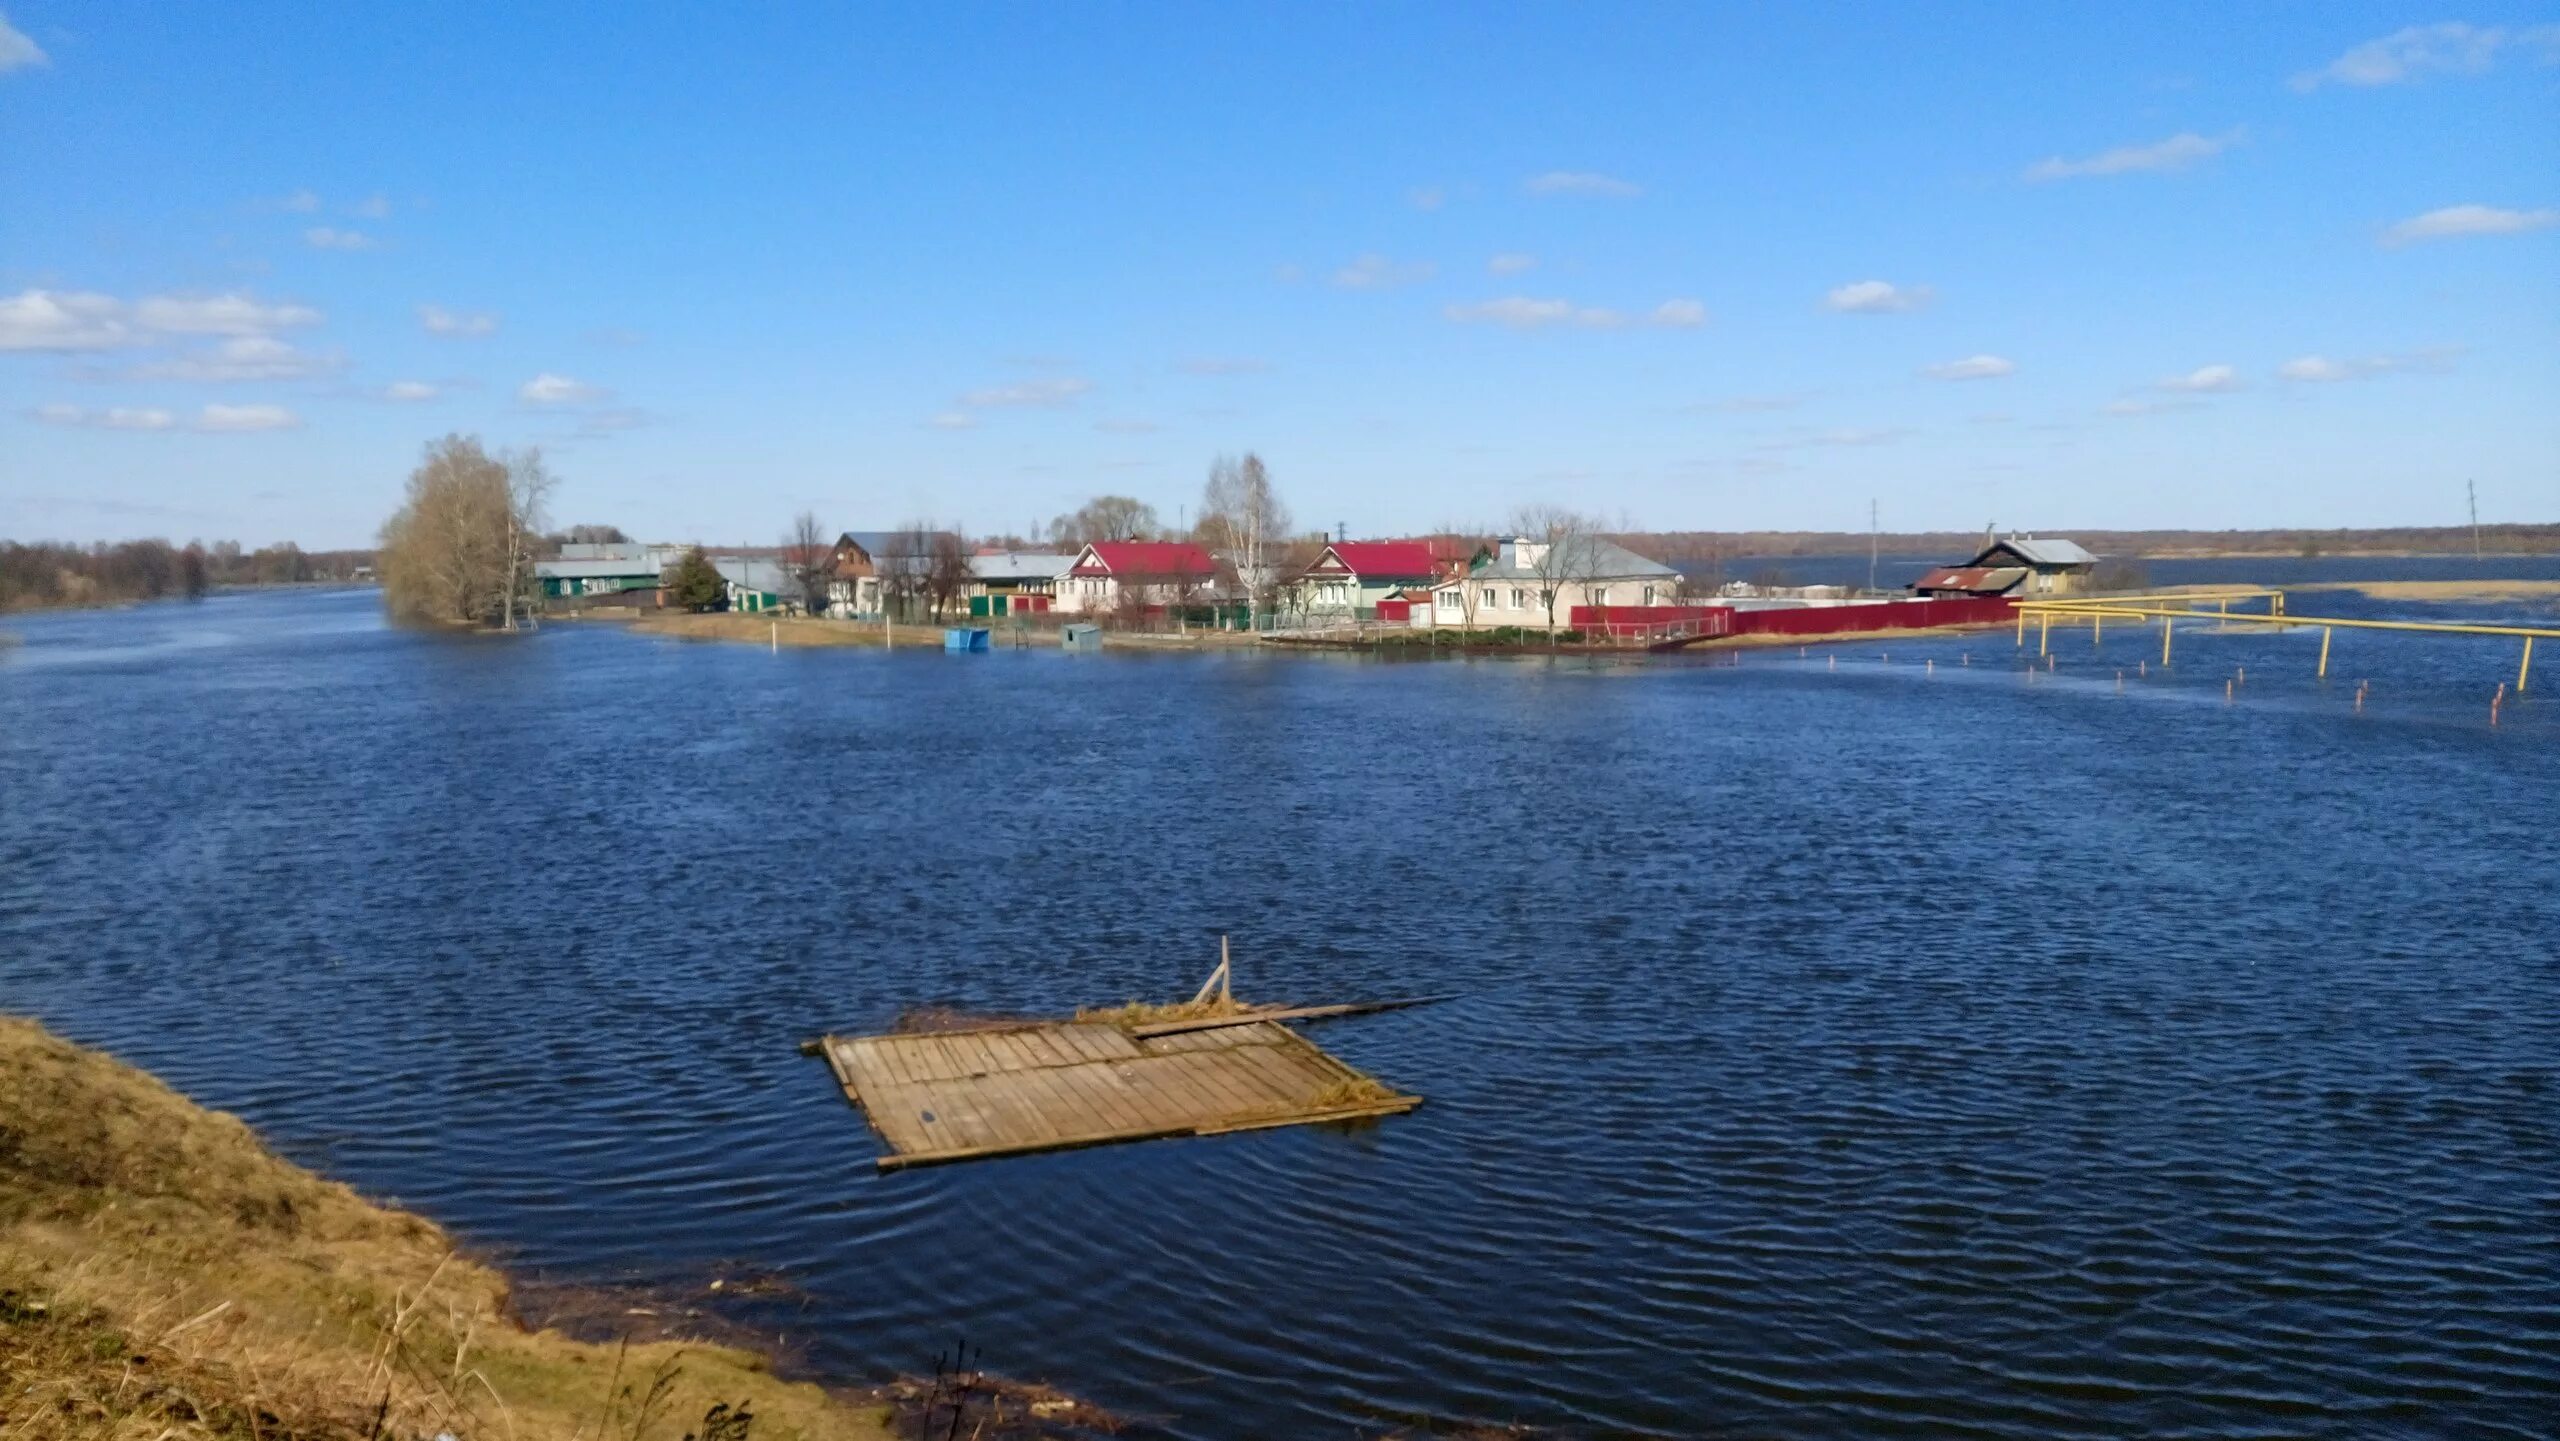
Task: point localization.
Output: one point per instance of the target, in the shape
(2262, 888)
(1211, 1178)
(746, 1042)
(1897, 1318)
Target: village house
(872, 568)
(1016, 582)
(605, 573)
(754, 585)
(1111, 575)
(2018, 565)
(1511, 587)
(1350, 577)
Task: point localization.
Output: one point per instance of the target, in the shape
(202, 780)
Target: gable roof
(2037, 552)
(589, 569)
(1019, 565)
(1607, 560)
(1144, 558)
(1973, 580)
(1382, 559)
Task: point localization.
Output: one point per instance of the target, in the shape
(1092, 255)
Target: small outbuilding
(2019, 565)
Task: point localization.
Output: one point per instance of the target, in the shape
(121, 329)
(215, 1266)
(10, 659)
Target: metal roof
(2040, 552)
(1973, 580)
(1606, 560)
(751, 574)
(1019, 565)
(587, 569)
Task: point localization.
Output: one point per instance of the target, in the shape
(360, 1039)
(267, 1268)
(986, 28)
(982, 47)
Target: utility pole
(2472, 488)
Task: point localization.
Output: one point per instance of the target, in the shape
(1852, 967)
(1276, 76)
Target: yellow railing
(2170, 609)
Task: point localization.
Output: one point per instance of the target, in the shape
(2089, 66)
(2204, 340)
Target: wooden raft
(963, 1095)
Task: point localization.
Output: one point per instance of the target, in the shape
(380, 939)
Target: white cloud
(1972, 367)
(119, 418)
(1127, 427)
(1519, 312)
(1054, 390)
(439, 321)
(17, 51)
(2209, 380)
(1876, 297)
(2321, 370)
(246, 417)
(2175, 153)
(242, 357)
(63, 320)
(1679, 314)
(213, 418)
(954, 420)
(2459, 220)
(1377, 272)
(228, 314)
(57, 320)
(410, 390)
(300, 202)
(376, 206)
(1581, 182)
(1224, 365)
(1511, 262)
(550, 389)
(1429, 197)
(326, 237)
(2448, 47)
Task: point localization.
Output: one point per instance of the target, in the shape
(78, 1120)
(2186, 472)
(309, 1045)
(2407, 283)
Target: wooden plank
(1289, 1013)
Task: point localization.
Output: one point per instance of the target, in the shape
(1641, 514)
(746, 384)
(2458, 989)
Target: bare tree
(808, 561)
(1104, 518)
(455, 552)
(947, 575)
(1242, 516)
(1560, 547)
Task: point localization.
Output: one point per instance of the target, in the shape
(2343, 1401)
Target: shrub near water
(163, 1276)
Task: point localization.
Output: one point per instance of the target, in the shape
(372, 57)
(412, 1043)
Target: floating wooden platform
(964, 1095)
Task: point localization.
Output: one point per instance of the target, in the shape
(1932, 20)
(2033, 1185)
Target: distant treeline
(37, 575)
(1958, 545)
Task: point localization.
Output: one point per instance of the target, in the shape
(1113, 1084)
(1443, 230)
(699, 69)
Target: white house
(1512, 589)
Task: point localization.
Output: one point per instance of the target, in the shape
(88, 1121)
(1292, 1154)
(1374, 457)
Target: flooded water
(1873, 1041)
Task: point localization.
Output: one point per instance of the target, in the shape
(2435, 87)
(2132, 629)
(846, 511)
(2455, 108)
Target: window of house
(1648, 595)
(1519, 598)
(1599, 595)
(1449, 601)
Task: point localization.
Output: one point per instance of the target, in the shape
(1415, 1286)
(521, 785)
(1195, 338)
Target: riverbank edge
(162, 1271)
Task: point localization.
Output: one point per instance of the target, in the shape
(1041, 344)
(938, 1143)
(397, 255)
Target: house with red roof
(1115, 575)
(1350, 577)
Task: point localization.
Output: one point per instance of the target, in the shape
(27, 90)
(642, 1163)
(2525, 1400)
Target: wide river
(1848, 1044)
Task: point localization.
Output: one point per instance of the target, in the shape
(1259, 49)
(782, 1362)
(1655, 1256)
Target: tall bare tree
(456, 551)
(808, 561)
(1105, 517)
(1242, 516)
(947, 575)
(1560, 547)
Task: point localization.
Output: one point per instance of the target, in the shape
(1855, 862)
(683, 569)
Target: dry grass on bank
(783, 630)
(2445, 589)
(1149, 1013)
(163, 1277)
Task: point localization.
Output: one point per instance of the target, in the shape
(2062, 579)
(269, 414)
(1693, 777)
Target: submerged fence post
(2168, 628)
(2022, 627)
(2524, 667)
(2324, 651)
(2044, 635)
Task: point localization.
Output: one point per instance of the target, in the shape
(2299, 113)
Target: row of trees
(460, 549)
(42, 574)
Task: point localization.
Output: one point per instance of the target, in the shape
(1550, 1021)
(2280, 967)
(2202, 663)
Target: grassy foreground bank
(164, 1277)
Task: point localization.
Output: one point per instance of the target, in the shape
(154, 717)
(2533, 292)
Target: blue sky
(1714, 267)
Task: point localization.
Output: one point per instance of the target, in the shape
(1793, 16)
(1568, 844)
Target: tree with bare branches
(1241, 516)
(1560, 547)
(947, 576)
(808, 562)
(458, 551)
(1104, 518)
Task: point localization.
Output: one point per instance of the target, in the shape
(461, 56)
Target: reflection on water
(1843, 1051)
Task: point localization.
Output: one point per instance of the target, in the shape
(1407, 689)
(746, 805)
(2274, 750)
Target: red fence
(1680, 622)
